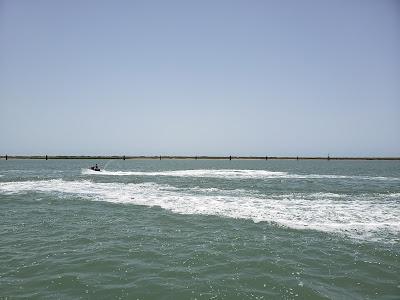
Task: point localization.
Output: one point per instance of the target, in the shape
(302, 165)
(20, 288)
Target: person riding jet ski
(95, 168)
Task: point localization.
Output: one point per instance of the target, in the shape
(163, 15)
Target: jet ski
(95, 168)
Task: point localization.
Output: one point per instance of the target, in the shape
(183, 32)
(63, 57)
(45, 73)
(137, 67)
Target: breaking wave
(368, 216)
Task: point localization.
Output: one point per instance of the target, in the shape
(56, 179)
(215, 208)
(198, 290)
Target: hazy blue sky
(200, 77)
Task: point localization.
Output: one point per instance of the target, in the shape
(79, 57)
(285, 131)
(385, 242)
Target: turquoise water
(186, 229)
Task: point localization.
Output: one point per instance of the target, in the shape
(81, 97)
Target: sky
(200, 77)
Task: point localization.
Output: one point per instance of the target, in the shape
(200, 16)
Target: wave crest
(361, 217)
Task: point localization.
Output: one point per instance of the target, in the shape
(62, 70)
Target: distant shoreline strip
(122, 157)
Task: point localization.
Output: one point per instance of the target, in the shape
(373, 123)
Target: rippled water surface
(204, 229)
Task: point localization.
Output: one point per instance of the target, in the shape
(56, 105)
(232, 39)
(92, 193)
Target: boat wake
(232, 174)
(366, 216)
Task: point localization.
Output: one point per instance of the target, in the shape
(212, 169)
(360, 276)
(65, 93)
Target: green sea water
(199, 229)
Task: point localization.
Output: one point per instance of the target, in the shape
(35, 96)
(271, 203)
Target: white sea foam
(361, 216)
(222, 173)
(394, 195)
(231, 174)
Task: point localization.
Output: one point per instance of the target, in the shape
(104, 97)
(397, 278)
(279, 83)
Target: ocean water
(199, 229)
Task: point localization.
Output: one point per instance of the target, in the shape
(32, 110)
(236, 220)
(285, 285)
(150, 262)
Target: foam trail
(362, 216)
(226, 174)
(231, 174)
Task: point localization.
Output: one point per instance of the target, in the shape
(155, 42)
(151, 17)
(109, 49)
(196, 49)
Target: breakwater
(160, 157)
